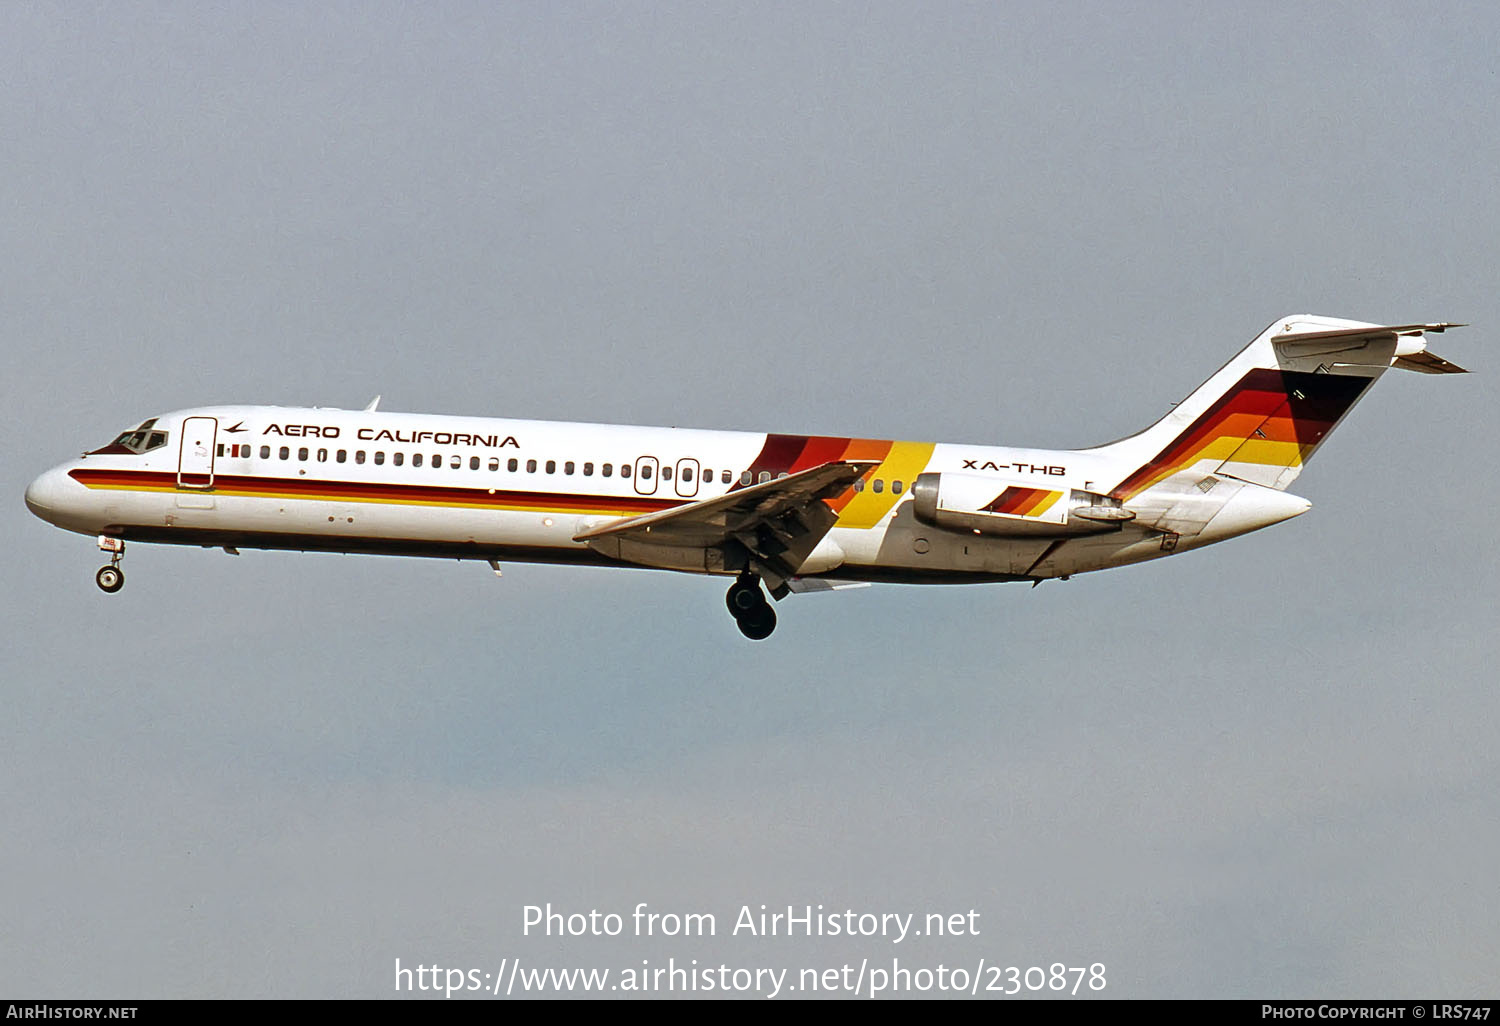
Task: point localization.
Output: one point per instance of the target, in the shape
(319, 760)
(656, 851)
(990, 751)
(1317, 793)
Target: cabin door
(195, 453)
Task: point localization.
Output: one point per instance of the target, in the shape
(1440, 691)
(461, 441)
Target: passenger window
(551, 466)
(859, 485)
(896, 487)
(416, 459)
(765, 475)
(322, 455)
(666, 473)
(302, 454)
(588, 470)
(513, 465)
(568, 467)
(473, 462)
(687, 474)
(380, 457)
(531, 466)
(454, 462)
(645, 471)
(494, 463)
(725, 477)
(782, 475)
(265, 452)
(342, 456)
(879, 486)
(359, 456)
(398, 458)
(607, 469)
(624, 469)
(746, 478)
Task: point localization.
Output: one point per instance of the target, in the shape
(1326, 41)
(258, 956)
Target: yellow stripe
(1043, 503)
(903, 463)
(1268, 453)
(1217, 450)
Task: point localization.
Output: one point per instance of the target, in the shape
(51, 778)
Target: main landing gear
(750, 608)
(111, 578)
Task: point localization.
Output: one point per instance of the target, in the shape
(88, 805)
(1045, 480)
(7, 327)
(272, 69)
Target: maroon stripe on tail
(1314, 402)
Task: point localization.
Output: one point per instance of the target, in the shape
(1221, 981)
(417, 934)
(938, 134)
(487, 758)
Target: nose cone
(48, 496)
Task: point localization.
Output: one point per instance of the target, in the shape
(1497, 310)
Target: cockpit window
(140, 440)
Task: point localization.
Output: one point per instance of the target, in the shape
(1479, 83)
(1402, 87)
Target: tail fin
(1267, 410)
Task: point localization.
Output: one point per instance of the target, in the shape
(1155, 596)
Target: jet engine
(987, 504)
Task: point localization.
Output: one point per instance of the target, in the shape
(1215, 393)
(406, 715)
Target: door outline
(195, 456)
(687, 463)
(646, 463)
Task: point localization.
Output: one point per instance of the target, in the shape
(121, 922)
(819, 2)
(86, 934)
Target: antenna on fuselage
(373, 404)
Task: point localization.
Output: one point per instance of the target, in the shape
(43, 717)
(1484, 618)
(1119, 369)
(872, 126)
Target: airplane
(779, 513)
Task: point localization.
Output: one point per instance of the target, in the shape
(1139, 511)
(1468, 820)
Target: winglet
(374, 403)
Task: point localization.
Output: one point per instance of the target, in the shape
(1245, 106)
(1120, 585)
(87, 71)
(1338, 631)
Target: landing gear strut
(750, 609)
(111, 578)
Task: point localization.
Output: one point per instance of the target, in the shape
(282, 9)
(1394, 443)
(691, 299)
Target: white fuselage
(355, 481)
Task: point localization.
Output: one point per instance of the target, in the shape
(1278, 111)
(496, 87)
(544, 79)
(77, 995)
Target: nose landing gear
(750, 609)
(111, 578)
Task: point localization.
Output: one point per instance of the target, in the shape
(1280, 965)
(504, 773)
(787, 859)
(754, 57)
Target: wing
(769, 528)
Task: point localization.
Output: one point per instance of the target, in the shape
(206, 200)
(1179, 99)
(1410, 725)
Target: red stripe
(1265, 394)
(820, 450)
(778, 454)
(364, 490)
(1014, 499)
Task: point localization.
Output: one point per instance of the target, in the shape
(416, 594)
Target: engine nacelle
(992, 505)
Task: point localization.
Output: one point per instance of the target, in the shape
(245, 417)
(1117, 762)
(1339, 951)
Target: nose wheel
(750, 609)
(111, 578)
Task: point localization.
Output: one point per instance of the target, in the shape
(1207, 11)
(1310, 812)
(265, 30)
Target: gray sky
(1263, 769)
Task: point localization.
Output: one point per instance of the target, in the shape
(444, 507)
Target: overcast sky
(1263, 769)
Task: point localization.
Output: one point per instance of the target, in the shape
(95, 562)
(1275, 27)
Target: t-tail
(1254, 424)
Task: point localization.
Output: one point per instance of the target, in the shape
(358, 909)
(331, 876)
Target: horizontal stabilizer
(1364, 331)
(1427, 363)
